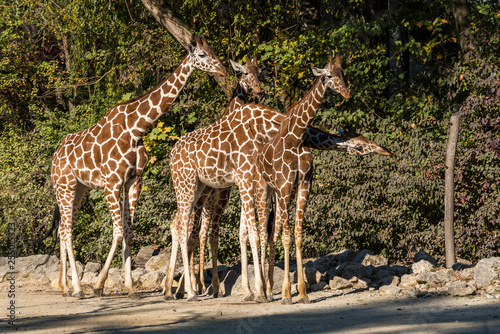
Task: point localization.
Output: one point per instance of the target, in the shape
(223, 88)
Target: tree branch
(166, 17)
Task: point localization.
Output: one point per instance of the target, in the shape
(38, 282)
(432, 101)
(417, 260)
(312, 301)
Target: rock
(152, 280)
(32, 265)
(462, 264)
(390, 290)
(311, 273)
(493, 290)
(435, 277)
(54, 279)
(339, 283)
(353, 270)
(320, 286)
(467, 273)
(407, 281)
(460, 288)
(374, 260)
(422, 266)
(389, 280)
(360, 257)
(325, 263)
(145, 253)
(115, 278)
(487, 271)
(228, 287)
(421, 255)
(89, 278)
(158, 263)
(347, 256)
(79, 270)
(330, 274)
(137, 273)
(92, 267)
(363, 284)
(398, 270)
(380, 274)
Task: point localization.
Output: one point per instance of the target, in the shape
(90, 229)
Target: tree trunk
(166, 17)
(449, 192)
(181, 32)
(462, 22)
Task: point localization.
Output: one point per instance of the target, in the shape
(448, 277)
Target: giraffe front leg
(247, 293)
(282, 215)
(303, 195)
(250, 226)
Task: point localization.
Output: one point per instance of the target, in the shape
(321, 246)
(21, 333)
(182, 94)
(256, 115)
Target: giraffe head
(357, 144)
(333, 76)
(203, 57)
(250, 73)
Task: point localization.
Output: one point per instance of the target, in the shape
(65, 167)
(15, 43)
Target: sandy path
(363, 312)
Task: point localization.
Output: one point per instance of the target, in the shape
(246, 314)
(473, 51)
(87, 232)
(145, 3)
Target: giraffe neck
(143, 111)
(321, 140)
(238, 99)
(302, 113)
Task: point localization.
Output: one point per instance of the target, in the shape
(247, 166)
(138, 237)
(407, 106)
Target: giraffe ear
(318, 71)
(237, 67)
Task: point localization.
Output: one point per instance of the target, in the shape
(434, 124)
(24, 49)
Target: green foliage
(64, 64)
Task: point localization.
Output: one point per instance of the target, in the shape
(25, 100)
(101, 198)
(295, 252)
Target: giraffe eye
(202, 55)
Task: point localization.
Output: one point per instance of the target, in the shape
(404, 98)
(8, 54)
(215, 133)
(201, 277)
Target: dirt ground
(360, 312)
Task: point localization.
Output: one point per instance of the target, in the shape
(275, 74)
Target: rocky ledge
(340, 272)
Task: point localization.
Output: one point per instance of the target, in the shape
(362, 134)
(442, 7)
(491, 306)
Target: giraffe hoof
(134, 295)
(98, 292)
(304, 300)
(67, 294)
(79, 295)
(192, 299)
(261, 299)
(248, 298)
(168, 297)
(216, 295)
(270, 297)
(179, 295)
(286, 301)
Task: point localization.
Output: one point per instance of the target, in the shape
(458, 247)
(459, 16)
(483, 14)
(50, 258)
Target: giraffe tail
(54, 227)
(55, 224)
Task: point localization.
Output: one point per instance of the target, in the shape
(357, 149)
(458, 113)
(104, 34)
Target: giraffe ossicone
(110, 155)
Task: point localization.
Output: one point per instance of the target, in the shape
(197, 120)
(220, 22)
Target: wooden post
(449, 191)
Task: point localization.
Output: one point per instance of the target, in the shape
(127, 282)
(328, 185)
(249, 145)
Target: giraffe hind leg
(129, 202)
(113, 200)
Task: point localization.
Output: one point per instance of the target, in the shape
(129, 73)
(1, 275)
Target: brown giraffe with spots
(213, 201)
(285, 164)
(245, 127)
(216, 199)
(192, 160)
(111, 156)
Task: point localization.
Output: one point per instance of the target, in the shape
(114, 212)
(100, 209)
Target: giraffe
(214, 199)
(285, 163)
(206, 200)
(110, 155)
(244, 128)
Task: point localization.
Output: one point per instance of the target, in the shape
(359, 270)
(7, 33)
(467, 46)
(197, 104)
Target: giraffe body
(110, 156)
(286, 165)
